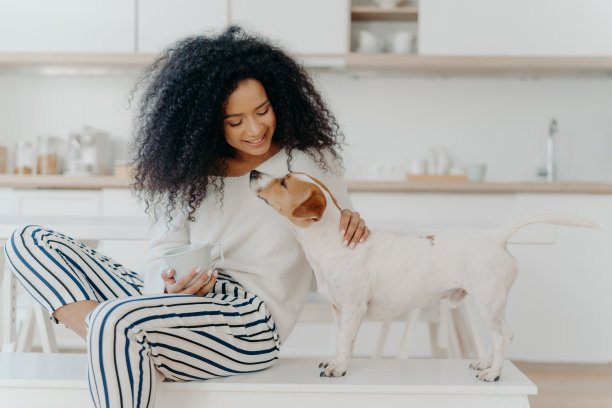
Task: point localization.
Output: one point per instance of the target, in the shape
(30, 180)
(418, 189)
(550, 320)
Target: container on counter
(2, 159)
(47, 158)
(24, 159)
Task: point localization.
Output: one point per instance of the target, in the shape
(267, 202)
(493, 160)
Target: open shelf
(449, 65)
(367, 13)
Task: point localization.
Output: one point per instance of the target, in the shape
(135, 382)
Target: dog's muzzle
(258, 180)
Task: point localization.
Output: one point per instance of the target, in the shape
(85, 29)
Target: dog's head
(296, 196)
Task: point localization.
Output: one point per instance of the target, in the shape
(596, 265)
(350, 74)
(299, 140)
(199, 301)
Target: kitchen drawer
(67, 26)
(57, 202)
(162, 22)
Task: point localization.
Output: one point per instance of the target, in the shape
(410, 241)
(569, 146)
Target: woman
(215, 108)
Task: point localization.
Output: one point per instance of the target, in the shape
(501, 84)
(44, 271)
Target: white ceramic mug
(476, 172)
(188, 257)
(368, 42)
(401, 42)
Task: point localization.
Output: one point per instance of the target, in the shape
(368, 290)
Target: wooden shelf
(367, 13)
(450, 65)
(410, 64)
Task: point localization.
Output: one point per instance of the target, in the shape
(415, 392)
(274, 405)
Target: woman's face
(249, 120)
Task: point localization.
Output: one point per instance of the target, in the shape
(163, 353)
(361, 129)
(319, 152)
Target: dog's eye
(283, 183)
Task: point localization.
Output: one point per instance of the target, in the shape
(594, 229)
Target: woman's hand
(199, 287)
(352, 228)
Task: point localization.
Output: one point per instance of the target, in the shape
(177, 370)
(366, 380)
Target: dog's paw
(489, 375)
(481, 364)
(331, 369)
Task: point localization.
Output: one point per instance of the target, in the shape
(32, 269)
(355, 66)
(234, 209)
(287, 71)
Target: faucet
(549, 170)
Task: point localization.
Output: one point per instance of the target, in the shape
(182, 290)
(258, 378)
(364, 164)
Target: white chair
(453, 333)
(88, 229)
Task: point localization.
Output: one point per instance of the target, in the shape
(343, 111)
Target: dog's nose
(254, 174)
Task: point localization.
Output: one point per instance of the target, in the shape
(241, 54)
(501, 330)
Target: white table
(88, 229)
(60, 380)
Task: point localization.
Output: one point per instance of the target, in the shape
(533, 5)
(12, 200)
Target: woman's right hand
(199, 287)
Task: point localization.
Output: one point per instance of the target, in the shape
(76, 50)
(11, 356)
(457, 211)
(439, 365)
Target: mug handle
(218, 245)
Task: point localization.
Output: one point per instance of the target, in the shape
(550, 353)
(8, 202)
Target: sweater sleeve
(162, 240)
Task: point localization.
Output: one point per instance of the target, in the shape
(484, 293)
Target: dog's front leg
(348, 319)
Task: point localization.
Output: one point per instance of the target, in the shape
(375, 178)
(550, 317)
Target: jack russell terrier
(388, 274)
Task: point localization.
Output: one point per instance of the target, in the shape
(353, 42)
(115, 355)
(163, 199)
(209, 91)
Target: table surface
(412, 376)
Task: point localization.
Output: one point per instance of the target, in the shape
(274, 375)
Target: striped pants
(131, 336)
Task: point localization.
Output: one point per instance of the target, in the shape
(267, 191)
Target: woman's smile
(259, 141)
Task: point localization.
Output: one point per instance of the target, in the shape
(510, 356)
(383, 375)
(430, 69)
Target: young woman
(215, 108)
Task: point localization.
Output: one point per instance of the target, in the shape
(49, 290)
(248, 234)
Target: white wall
(500, 121)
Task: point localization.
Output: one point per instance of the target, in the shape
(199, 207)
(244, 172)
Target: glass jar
(23, 158)
(46, 155)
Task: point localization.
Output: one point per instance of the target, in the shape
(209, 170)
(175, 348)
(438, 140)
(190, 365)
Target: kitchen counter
(382, 186)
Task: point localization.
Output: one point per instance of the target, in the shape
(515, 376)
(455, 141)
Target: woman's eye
(235, 124)
(264, 112)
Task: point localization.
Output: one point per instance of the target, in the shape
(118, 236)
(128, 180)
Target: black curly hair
(179, 149)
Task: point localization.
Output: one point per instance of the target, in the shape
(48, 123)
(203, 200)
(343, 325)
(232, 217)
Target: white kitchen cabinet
(302, 27)
(57, 203)
(161, 22)
(67, 26)
(515, 28)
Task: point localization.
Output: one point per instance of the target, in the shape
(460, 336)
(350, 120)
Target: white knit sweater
(260, 250)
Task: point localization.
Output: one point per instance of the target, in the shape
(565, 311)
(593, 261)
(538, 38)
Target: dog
(388, 274)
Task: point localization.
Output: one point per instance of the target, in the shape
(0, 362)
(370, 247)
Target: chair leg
(468, 331)
(384, 334)
(436, 350)
(413, 319)
(26, 330)
(9, 294)
(45, 330)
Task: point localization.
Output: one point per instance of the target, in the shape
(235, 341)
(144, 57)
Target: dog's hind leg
(348, 319)
(493, 314)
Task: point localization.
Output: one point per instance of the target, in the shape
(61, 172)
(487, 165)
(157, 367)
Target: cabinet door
(161, 22)
(67, 26)
(515, 28)
(303, 27)
(57, 203)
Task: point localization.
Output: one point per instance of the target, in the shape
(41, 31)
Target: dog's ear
(313, 207)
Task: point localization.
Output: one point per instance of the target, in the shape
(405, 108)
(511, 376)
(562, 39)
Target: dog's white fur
(388, 274)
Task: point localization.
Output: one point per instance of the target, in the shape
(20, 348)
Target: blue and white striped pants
(129, 335)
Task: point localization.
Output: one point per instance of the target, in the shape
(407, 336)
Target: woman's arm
(162, 240)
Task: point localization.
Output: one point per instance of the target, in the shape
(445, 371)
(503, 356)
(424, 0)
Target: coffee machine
(89, 153)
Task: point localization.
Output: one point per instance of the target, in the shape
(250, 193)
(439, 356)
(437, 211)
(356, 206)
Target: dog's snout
(254, 175)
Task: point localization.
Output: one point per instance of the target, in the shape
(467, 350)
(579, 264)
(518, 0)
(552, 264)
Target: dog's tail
(548, 218)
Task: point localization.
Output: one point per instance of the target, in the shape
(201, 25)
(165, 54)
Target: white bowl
(387, 4)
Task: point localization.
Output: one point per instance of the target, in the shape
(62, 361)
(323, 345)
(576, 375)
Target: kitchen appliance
(89, 153)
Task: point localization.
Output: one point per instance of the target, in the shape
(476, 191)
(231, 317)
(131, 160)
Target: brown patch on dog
(302, 202)
(324, 187)
(312, 208)
(430, 238)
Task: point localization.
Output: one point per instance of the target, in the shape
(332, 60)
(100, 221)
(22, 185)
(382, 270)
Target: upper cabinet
(67, 26)
(162, 22)
(515, 28)
(302, 27)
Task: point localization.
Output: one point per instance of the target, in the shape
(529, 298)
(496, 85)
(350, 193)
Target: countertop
(380, 186)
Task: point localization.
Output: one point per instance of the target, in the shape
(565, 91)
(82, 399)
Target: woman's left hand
(352, 228)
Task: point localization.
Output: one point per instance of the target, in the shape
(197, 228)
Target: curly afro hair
(179, 148)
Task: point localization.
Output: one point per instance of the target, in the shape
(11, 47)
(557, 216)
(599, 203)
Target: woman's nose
(253, 127)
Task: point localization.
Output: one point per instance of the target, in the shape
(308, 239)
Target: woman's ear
(313, 207)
